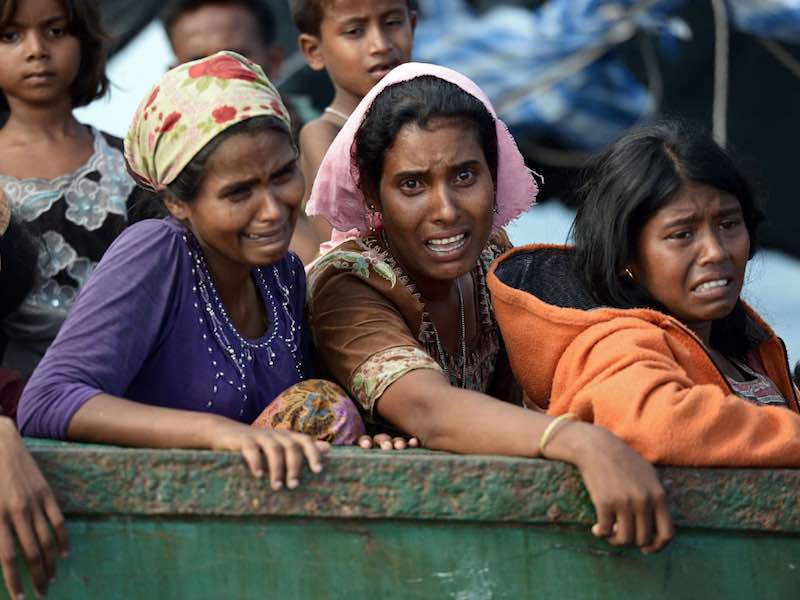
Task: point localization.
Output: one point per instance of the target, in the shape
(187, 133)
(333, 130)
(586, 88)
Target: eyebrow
(44, 23)
(688, 220)
(463, 164)
(233, 187)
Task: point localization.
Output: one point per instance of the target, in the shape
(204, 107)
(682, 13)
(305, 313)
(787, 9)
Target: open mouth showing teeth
(712, 285)
(447, 244)
(257, 236)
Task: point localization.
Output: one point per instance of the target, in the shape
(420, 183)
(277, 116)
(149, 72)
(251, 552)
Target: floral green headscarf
(189, 107)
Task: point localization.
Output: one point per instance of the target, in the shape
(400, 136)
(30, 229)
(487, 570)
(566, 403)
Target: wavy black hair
(626, 185)
(419, 101)
(83, 21)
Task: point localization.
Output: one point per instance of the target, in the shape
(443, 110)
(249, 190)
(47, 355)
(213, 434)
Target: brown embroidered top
(371, 326)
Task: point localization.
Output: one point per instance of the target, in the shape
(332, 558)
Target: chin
(451, 271)
(268, 256)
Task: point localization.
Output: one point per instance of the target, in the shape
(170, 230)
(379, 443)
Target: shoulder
(354, 259)
(157, 241)
(317, 136)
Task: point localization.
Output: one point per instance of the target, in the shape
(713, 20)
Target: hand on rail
(29, 510)
(628, 497)
(280, 453)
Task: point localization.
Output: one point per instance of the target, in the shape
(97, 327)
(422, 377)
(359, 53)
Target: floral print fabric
(189, 107)
(383, 368)
(318, 408)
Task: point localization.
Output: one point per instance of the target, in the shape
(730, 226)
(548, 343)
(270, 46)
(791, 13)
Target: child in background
(200, 28)
(357, 42)
(64, 181)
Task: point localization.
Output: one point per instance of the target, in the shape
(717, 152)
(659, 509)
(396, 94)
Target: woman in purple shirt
(191, 326)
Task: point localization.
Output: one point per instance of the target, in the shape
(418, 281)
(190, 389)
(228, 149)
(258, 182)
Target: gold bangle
(552, 428)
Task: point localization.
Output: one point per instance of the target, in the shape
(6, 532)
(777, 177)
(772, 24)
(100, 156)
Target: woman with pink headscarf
(424, 176)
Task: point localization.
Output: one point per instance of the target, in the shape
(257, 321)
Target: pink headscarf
(337, 197)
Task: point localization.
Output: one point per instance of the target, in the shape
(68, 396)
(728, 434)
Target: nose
(712, 248)
(445, 209)
(35, 46)
(379, 42)
(269, 208)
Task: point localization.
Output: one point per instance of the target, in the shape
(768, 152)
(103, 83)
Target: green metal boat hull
(416, 524)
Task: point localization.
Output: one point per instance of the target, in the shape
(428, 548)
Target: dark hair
(419, 101)
(83, 20)
(308, 14)
(626, 185)
(18, 260)
(264, 17)
(185, 185)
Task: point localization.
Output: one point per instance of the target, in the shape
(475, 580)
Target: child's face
(360, 41)
(39, 57)
(692, 254)
(214, 27)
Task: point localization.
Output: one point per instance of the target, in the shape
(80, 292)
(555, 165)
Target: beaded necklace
(213, 312)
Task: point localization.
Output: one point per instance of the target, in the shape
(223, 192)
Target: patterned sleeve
(360, 323)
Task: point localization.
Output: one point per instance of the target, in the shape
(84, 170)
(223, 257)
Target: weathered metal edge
(356, 484)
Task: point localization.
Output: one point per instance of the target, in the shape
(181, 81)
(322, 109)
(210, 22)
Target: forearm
(456, 420)
(107, 419)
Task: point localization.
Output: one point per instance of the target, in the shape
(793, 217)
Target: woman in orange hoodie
(640, 327)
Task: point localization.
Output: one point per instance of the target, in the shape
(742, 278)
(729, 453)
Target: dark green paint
(154, 524)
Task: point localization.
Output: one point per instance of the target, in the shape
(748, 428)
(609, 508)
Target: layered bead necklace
(212, 311)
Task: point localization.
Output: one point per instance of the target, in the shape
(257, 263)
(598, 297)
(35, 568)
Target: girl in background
(64, 181)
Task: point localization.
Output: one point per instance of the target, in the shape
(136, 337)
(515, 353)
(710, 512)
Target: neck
(344, 102)
(703, 331)
(231, 279)
(52, 121)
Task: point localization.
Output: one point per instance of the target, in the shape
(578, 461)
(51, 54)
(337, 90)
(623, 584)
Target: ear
(177, 208)
(311, 48)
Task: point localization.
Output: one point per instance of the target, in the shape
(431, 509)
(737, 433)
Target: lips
(380, 70)
(272, 236)
(447, 245)
(710, 285)
(39, 75)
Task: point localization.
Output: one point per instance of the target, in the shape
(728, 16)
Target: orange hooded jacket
(637, 372)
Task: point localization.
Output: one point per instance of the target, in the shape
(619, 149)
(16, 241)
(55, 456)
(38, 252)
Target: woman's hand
(283, 451)
(386, 442)
(628, 497)
(27, 508)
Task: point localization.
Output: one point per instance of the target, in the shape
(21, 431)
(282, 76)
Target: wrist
(570, 443)
(209, 428)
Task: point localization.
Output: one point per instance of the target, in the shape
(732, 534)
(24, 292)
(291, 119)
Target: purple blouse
(149, 327)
